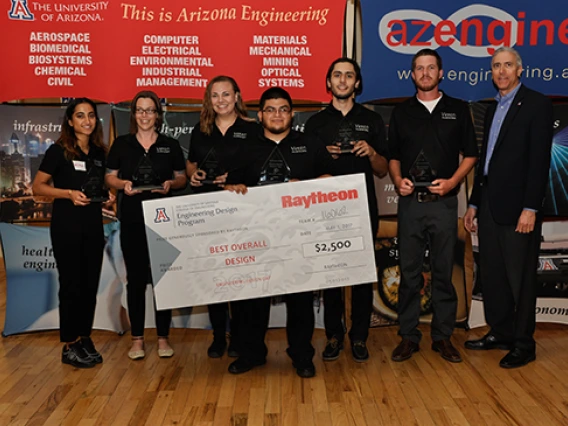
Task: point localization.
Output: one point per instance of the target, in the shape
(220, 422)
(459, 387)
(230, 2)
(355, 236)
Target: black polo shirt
(72, 174)
(125, 155)
(367, 125)
(306, 157)
(226, 146)
(442, 134)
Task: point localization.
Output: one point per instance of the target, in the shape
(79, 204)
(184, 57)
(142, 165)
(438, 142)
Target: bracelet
(70, 193)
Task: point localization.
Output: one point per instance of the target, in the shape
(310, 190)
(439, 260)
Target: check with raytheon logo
(279, 239)
(408, 31)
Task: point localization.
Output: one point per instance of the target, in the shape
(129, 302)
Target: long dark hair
(159, 119)
(207, 116)
(68, 139)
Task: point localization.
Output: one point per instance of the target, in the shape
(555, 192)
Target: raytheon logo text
(475, 31)
(318, 198)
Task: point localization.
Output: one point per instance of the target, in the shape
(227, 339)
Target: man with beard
(280, 154)
(355, 136)
(426, 134)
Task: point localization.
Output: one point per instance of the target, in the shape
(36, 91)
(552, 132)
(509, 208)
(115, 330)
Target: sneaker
(332, 349)
(89, 347)
(359, 351)
(74, 354)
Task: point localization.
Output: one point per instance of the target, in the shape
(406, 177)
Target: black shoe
(74, 354)
(232, 351)
(217, 348)
(486, 343)
(305, 368)
(89, 347)
(332, 349)
(242, 365)
(359, 351)
(517, 358)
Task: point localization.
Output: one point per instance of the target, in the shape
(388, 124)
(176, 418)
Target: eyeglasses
(141, 111)
(284, 110)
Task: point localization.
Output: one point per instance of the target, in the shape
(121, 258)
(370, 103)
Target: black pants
(137, 262)
(79, 259)
(418, 223)
(253, 315)
(219, 316)
(361, 310)
(509, 262)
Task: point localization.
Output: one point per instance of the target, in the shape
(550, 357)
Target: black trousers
(508, 262)
(253, 315)
(79, 258)
(361, 310)
(418, 223)
(219, 316)
(138, 275)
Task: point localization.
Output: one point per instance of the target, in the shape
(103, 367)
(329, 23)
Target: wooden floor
(191, 389)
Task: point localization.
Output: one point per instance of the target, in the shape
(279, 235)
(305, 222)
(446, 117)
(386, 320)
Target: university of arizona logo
(161, 215)
(20, 11)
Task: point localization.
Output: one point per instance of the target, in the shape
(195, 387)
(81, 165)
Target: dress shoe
(447, 350)
(217, 348)
(359, 351)
(486, 343)
(242, 365)
(404, 350)
(89, 347)
(305, 368)
(74, 354)
(332, 349)
(517, 358)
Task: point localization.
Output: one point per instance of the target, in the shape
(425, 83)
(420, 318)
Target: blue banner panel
(465, 35)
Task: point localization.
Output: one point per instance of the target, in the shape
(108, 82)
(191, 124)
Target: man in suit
(507, 200)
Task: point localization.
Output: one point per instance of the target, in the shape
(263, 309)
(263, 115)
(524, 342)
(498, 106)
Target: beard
(427, 86)
(275, 130)
(342, 96)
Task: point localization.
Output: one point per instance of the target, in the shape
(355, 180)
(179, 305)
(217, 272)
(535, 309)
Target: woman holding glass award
(143, 165)
(72, 172)
(222, 129)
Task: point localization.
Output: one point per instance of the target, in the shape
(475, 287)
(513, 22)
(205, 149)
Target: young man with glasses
(298, 157)
(355, 136)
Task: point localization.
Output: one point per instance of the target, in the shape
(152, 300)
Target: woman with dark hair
(144, 156)
(76, 226)
(222, 129)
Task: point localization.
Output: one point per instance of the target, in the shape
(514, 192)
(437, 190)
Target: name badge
(80, 166)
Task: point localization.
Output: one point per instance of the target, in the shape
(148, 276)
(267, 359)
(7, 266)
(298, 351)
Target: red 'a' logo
(161, 215)
(20, 11)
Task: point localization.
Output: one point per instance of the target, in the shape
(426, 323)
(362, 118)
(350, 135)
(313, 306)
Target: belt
(426, 197)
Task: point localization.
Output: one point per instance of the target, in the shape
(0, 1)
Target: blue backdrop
(464, 35)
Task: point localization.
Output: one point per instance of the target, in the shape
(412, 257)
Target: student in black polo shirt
(76, 226)
(432, 128)
(306, 158)
(129, 155)
(363, 131)
(222, 128)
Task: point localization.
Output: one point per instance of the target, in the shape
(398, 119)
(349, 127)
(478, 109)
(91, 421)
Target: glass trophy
(421, 172)
(212, 167)
(345, 135)
(275, 169)
(94, 187)
(145, 177)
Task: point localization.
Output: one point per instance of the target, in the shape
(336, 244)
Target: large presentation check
(276, 239)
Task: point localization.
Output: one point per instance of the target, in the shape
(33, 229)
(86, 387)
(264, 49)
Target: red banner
(111, 50)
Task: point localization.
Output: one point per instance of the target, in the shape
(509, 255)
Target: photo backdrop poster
(465, 35)
(25, 134)
(112, 50)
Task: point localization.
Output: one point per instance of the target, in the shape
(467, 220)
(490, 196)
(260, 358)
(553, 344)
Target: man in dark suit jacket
(507, 199)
